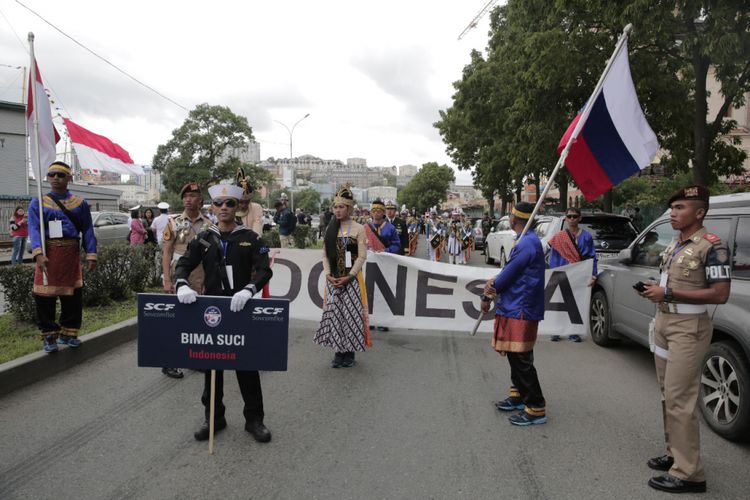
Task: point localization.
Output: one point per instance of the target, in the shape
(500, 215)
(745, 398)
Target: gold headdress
(241, 181)
(344, 196)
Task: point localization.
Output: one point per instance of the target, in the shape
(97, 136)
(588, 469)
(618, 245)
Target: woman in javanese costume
(344, 326)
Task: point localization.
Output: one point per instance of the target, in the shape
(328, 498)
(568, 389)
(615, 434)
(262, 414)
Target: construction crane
(473, 24)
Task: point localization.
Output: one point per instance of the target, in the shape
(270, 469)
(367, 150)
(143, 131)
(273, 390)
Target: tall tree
(428, 187)
(195, 151)
(308, 200)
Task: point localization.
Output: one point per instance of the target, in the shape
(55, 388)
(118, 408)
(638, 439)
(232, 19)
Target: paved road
(414, 419)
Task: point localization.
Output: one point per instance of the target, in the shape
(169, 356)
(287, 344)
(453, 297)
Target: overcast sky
(372, 75)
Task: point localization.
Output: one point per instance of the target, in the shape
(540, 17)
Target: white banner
(406, 292)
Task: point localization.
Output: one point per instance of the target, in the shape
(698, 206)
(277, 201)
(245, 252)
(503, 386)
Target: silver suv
(618, 311)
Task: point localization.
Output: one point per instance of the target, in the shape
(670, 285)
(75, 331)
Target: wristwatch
(486, 299)
(668, 296)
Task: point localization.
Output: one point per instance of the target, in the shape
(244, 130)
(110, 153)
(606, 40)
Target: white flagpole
(35, 132)
(581, 122)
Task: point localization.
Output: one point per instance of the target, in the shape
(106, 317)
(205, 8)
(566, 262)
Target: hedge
(120, 271)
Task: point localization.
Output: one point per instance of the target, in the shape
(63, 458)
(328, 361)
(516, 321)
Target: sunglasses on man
(230, 203)
(572, 216)
(59, 175)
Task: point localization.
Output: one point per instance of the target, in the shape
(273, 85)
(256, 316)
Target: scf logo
(268, 311)
(151, 306)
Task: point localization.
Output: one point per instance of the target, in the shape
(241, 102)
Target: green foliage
(543, 59)
(308, 200)
(271, 238)
(195, 150)
(16, 282)
(428, 187)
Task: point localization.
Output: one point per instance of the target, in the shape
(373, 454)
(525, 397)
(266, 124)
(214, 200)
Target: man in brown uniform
(180, 231)
(695, 271)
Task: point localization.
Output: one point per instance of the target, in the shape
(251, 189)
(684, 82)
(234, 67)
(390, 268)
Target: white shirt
(158, 226)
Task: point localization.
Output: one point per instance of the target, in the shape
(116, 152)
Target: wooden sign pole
(212, 414)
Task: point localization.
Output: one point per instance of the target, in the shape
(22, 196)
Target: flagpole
(35, 131)
(581, 122)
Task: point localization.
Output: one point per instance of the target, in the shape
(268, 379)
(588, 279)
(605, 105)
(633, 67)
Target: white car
(498, 244)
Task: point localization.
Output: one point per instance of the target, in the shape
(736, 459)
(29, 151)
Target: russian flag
(616, 141)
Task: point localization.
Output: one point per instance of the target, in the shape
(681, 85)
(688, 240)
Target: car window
(120, 218)
(610, 233)
(103, 220)
(648, 250)
(720, 227)
(741, 261)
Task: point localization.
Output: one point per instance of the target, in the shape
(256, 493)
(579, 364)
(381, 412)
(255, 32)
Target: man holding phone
(695, 271)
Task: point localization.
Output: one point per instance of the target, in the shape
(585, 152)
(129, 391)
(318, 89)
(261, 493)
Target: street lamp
(291, 154)
(291, 132)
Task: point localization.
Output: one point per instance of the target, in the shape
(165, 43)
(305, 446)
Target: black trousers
(71, 313)
(524, 378)
(249, 382)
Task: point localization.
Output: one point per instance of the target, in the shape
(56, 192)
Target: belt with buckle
(675, 308)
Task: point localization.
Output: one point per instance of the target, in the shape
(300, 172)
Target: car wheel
(724, 396)
(599, 319)
(503, 260)
(487, 258)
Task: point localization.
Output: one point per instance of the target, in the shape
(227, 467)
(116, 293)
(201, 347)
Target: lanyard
(348, 234)
(224, 246)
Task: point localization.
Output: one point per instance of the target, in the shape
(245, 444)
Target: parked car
(499, 243)
(109, 228)
(478, 234)
(617, 311)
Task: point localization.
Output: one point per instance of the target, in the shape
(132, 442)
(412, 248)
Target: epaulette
(712, 238)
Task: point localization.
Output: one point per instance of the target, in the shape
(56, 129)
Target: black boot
(259, 431)
(172, 372)
(202, 434)
(338, 358)
(348, 360)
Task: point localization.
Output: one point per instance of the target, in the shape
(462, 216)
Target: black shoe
(259, 431)
(383, 329)
(172, 372)
(663, 462)
(202, 434)
(338, 358)
(348, 360)
(673, 484)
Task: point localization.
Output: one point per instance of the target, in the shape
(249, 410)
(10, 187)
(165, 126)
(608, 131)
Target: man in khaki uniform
(695, 271)
(180, 231)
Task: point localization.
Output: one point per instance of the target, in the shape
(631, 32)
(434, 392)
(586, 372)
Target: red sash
(373, 241)
(563, 244)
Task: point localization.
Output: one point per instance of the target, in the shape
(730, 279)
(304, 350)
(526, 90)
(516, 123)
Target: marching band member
(413, 235)
(399, 223)
(434, 233)
(455, 234)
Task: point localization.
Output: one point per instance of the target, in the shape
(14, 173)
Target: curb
(36, 366)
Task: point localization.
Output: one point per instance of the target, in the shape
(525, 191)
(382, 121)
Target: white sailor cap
(163, 205)
(137, 207)
(225, 191)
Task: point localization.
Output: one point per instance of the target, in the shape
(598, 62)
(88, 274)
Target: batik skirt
(514, 335)
(345, 325)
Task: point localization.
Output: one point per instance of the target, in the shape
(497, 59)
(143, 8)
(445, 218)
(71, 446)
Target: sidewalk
(39, 365)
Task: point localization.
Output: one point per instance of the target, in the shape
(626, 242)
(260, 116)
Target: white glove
(186, 295)
(239, 300)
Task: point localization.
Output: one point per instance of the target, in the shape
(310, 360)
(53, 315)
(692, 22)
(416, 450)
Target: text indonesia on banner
(96, 152)
(48, 136)
(616, 141)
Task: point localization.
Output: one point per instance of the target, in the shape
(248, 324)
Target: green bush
(303, 236)
(271, 238)
(17, 282)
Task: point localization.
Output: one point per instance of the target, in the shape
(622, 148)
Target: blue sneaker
(68, 341)
(555, 338)
(575, 338)
(50, 345)
(524, 419)
(509, 404)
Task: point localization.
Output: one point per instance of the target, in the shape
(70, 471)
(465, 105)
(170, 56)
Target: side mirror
(625, 256)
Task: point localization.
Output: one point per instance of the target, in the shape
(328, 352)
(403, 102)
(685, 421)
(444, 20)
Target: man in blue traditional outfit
(572, 244)
(66, 221)
(520, 307)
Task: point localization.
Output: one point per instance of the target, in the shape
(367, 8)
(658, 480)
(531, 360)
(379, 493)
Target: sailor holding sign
(232, 255)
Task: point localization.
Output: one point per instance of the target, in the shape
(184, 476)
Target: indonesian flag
(616, 141)
(40, 125)
(96, 152)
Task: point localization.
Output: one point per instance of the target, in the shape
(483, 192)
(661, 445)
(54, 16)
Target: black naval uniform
(247, 254)
(403, 233)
